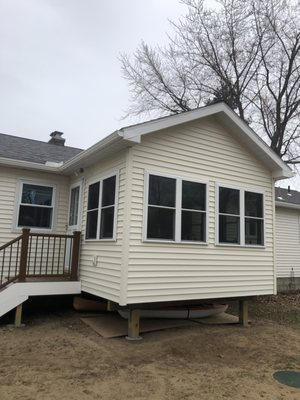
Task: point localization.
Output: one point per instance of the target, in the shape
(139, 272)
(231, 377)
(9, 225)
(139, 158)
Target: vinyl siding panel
(287, 242)
(174, 271)
(101, 261)
(9, 183)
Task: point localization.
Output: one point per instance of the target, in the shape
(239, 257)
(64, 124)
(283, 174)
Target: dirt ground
(56, 356)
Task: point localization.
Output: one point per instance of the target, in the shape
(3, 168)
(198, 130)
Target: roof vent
(289, 191)
(56, 138)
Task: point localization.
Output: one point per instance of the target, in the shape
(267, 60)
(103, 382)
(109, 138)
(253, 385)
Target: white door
(74, 217)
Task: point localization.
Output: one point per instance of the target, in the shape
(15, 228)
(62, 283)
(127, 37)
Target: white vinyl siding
(287, 242)
(202, 151)
(9, 183)
(101, 260)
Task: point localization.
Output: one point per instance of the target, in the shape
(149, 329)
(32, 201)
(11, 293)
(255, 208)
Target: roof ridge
(39, 141)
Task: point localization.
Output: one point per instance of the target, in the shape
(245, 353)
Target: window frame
(20, 185)
(178, 208)
(100, 179)
(242, 216)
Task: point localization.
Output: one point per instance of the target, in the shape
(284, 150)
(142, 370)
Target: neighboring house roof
(36, 151)
(287, 198)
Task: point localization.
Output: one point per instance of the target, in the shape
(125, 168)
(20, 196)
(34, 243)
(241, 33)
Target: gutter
(287, 205)
(9, 162)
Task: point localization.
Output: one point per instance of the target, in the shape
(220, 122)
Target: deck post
(134, 325)
(75, 256)
(24, 254)
(243, 313)
(18, 316)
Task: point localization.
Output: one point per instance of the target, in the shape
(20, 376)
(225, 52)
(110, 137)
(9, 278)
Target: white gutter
(287, 205)
(9, 162)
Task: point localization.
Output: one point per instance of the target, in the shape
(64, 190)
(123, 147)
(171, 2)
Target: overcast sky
(59, 67)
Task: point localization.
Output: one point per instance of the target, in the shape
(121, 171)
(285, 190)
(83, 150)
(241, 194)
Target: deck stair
(38, 264)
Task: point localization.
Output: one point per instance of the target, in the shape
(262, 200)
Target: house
(176, 209)
(287, 239)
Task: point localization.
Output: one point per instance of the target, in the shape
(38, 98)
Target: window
(176, 209)
(74, 206)
(240, 217)
(101, 209)
(35, 208)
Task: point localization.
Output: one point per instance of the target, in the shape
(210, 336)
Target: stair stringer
(10, 297)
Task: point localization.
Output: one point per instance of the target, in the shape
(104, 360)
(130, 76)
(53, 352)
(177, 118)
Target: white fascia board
(279, 168)
(9, 162)
(287, 205)
(91, 151)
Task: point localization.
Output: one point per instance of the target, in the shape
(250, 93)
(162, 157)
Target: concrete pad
(112, 325)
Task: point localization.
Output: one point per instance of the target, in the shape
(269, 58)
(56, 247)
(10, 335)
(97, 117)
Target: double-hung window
(176, 209)
(35, 209)
(240, 217)
(101, 209)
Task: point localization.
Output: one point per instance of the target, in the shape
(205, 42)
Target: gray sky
(59, 67)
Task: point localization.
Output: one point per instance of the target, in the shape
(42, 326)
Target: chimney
(56, 138)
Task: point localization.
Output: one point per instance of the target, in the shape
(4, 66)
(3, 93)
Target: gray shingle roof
(36, 151)
(284, 196)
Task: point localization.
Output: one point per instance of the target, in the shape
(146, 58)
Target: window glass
(253, 204)
(107, 223)
(229, 229)
(74, 205)
(36, 194)
(193, 195)
(35, 217)
(193, 226)
(162, 191)
(93, 201)
(161, 223)
(108, 191)
(91, 224)
(229, 201)
(254, 231)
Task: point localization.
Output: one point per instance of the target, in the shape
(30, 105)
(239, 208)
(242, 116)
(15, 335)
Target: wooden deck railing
(39, 255)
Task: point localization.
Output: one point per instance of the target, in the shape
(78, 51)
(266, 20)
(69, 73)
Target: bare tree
(245, 53)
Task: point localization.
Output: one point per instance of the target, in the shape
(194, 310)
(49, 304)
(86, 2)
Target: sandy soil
(58, 357)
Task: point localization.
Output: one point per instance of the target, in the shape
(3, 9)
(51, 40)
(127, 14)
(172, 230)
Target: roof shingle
(36, 151)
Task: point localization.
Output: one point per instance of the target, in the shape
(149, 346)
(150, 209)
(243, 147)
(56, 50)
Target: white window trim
(101, 178)
(19, 192)
(242, 216)
(178, 208)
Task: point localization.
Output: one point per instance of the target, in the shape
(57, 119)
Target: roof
(227, 118)
(36, 151)
(33, 156)
(287, 198)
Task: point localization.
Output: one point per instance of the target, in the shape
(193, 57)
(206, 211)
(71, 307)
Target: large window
(36, 206)
(176, 209)
(240, 217)
(101, 209)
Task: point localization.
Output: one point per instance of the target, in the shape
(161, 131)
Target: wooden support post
(243, 313)
(24, 255)
(134, 325)
(75, 256)
(18, 316)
